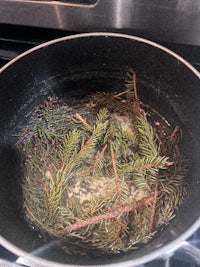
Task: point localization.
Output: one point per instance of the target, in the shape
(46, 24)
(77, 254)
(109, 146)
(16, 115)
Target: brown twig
(84, 122)
(98, 158)
(85, 144)
(115, 173)
(136, 100)
(120, 94)
(175, 131)
(119, 228)
(109, 215)
(156, 192)
(177, 150)
(174, 139)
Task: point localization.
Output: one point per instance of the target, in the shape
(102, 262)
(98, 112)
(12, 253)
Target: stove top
(16, 39)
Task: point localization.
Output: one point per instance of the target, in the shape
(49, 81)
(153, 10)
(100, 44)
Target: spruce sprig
(97, 174)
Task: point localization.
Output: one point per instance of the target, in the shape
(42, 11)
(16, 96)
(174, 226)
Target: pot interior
(78, 66)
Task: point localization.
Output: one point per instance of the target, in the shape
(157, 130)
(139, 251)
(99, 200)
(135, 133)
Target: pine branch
(70, 145)
(170, 146)
(54, 195)
(175, 181)
(174, 133)
(152, 217)
(147, 143)
(38, 222)
(137, 107)
(115, 173)
(86, 144)
(120, 94)
(149, 162)
(84, 122)
(98, 159)
(152, 165)
(109, 215)
(107, 101)
(102, 116)
(95, 179)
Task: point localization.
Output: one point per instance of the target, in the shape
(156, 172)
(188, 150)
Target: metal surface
(172, 21)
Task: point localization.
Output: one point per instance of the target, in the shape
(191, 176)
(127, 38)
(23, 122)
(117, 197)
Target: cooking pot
(76, 65)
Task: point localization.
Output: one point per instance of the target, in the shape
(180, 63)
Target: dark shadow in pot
(13, 226)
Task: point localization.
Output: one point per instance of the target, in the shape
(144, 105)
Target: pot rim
(105, 34)
(162, 252)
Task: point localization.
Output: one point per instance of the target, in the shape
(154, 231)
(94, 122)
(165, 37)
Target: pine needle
(97, 173)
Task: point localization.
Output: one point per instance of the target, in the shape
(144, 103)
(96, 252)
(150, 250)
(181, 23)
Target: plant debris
(97, 173)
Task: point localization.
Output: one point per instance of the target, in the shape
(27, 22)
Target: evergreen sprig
(97, 174)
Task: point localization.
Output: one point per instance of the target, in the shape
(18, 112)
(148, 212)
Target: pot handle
(186, 253)
(19, 263)
(191, 252)
(5, 263)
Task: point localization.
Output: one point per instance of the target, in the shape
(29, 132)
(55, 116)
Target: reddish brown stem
(137, 102)
(45, 186)
(120, 94)
(98, 158)
(151, 222)
(178, 153)
(115, 173)
(109, 215)
(176, 129)
(118, 231)
(83, 121)
(86, 144)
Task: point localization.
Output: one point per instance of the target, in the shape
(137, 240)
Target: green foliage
(93, 168)
(70, 146)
